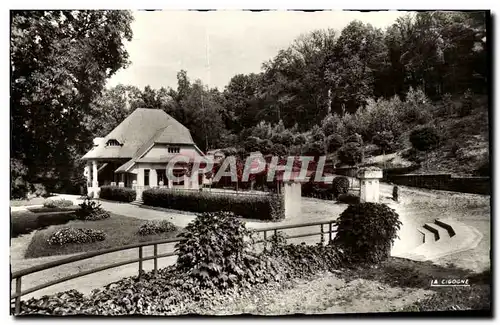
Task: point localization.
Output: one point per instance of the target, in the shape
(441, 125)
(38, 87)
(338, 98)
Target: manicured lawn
(24, 222)
(119, 231)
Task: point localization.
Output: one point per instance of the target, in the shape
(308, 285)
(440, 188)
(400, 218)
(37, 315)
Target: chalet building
(136, 153)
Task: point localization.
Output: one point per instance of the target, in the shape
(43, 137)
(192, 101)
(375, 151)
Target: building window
(174, 149)
(178, 174)
(113, 143)
(162, 176)
(146, 177)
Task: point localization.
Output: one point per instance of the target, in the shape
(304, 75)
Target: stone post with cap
(369, 184)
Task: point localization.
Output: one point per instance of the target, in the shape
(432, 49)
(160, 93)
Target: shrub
(350, 154)
(115, 193)
(279, 150)
(348, 198)
(61, 203)
(76, 236)
(395, 193)
(91, 211)
(385, 141)
(156, 227)
(355, 138)
(484, 168)
(366, 231)
(416, 108)
(263, 207)
(334, 142)
(340, 185)
(216, 252)
(424, 138)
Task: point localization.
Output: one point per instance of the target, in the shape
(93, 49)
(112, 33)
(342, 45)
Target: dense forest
(330, 92)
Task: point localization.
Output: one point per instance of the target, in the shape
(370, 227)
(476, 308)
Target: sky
(216, 45)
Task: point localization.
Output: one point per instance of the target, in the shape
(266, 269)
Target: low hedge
(262, 207)
(115, 193)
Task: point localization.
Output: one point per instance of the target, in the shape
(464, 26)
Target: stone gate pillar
(369, 184)
(293, 198)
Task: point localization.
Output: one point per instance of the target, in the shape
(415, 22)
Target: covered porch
(139, 176)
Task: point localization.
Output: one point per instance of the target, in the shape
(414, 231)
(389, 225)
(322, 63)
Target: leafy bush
(366, 231)
(484, 168)
(156, 227)
(355, 138)
(350, 154)
(297, 261)
(340, 185)
(61, 203)
(380, 116)
(91, 211)
(334, 142)
(395, 193)
(68, 235)
(348, 198)
(115, 193)
(216, 252)
(385, 141)
(314, 190)
(279, 149)
(417, 108)
(263, 207)
(424, 138)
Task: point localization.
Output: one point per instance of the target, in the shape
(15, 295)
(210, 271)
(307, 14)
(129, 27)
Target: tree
(350, 154)
(279, 150)
(334, 142)
(60, 61)
(424, 138)
(360, 57)
(385, 141)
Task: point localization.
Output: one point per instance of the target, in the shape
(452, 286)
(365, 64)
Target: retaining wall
(444, 182)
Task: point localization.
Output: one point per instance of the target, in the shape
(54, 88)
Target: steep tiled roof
(141, 127)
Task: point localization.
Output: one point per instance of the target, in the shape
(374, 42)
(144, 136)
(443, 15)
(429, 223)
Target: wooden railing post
(18, 296)
(265, 240)
(140, 261)
(330, 232)
(322, 234)
(155, 252)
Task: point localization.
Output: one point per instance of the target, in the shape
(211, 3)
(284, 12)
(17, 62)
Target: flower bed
(263, 207)
(155, 227)
(68, 235)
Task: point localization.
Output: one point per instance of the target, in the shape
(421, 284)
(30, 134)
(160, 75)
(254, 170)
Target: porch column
(95, 182)
(87, 173)
(140, 177)
(153, 178)
(186, 181)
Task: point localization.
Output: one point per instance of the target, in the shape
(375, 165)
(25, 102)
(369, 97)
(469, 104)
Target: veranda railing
(327, 228)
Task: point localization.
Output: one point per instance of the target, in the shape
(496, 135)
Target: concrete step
(137, 202)
(427, 235)
(439, 232)
(446, 224)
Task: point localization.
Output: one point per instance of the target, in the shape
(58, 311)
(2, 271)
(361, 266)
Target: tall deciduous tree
(60, 61)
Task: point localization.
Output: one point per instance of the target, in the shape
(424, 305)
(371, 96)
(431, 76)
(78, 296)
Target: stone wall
(444, 182)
